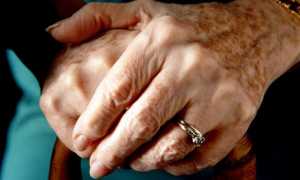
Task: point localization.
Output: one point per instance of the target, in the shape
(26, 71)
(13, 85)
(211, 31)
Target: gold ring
(196, 136)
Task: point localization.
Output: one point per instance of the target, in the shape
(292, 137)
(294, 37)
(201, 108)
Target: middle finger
(159, 103)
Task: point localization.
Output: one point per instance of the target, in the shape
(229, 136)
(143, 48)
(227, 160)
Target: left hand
(209, 64)
(74, 76)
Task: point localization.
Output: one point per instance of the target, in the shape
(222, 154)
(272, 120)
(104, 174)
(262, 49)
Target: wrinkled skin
(208, 64)
(74, 77)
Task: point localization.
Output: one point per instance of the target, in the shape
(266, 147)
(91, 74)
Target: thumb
(93, 18)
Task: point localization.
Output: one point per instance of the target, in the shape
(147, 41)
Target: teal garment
(30, 140)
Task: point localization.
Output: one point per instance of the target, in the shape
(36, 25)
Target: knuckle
(202, 58)
(175, 151)
(168, 21)
(196, 51)
(194, 55)
(144, 127)
(70, 77)
(170, 155)
(73, 82)
(168, 26)
(49, 103)
(146, 130)
(107, 59)
(200, 63)
(121, 92)
(102, 62)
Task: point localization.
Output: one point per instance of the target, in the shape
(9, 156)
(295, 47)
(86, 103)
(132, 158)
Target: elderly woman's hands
(75, 75)
(208, 64)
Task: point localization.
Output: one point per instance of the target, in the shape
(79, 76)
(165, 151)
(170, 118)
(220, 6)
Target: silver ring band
(196, 136)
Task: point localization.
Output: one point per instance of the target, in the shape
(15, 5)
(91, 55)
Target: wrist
(283, 33)
(289, 31)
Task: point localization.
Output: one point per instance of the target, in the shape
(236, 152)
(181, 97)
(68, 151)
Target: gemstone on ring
(197, 138)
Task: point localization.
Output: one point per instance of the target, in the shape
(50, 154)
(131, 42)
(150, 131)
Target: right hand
(75, 74)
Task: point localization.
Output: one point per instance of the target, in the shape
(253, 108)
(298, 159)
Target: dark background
(275, 128)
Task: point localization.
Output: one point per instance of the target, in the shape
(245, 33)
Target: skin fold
(116, 98)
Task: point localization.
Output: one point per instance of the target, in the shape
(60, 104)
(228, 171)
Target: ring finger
(219, 143)
(172, 144)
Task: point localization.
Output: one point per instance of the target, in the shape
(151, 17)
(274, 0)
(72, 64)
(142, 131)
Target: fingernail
(98, 170)
(81, 142)
(53, 26)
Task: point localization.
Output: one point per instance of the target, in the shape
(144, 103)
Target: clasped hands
(129, 71)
